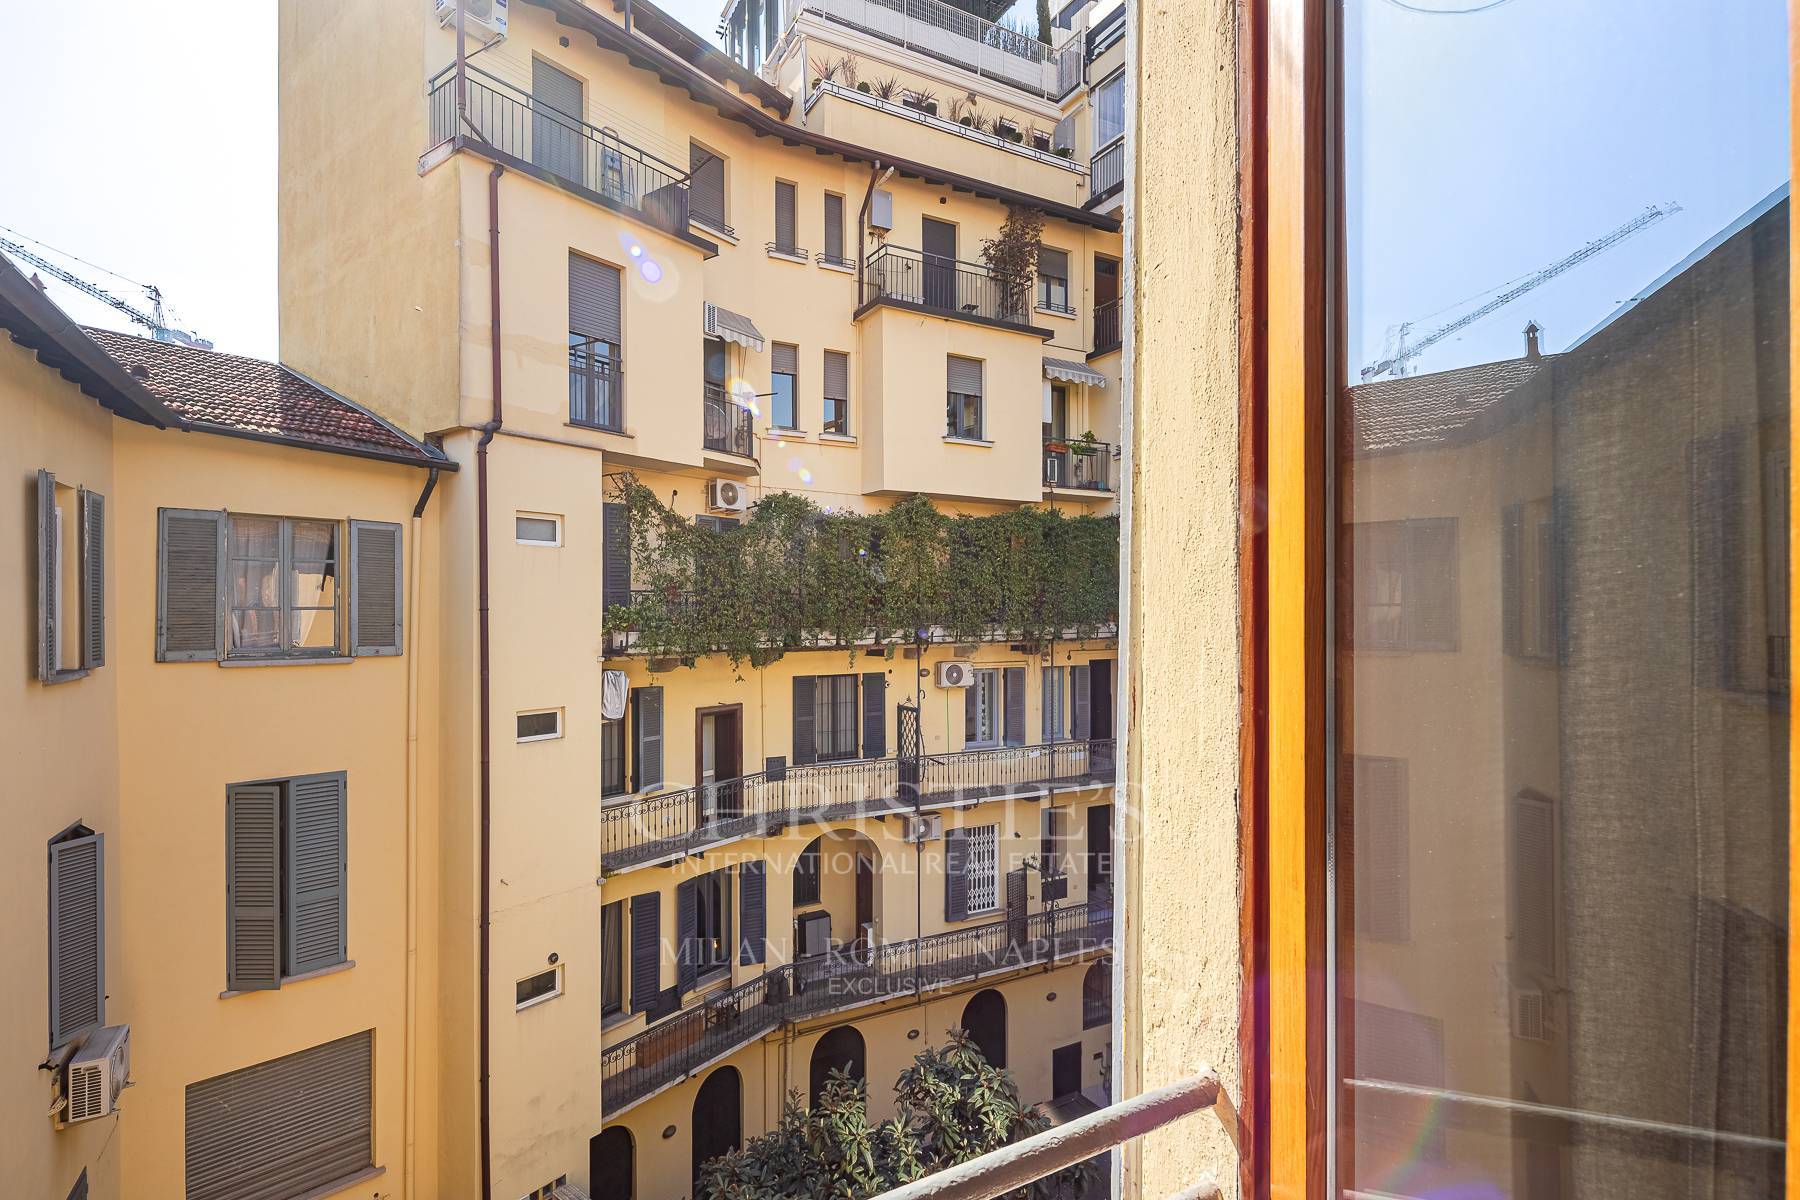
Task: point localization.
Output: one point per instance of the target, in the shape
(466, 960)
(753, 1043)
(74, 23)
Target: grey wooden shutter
(784, 216)
(315, 873)
(784, 359)
(190, 588)
(1532, 876)
(706, 186)
(837, 375)
(1080, 702)
(753, 918)
(806, 740)
(615, 551)
(377, 588)
(686, 925)
(1381, 853)
(594, 303)
(1512, 580)
(77, 936)
(1014, 730)
(93, 579)
(253, 887)
(287, 1127)
(956, 875)
(46, 576)
(1429, 591)
(874, 714)
(834, 227)
(964, 375)
(647, 743)
(646, 951)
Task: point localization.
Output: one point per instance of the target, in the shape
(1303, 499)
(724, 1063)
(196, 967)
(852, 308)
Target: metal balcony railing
(945, 285)
(1076, 464)
(507, 120)
(1106, 173)
(730, 427)
(678, 823)
(727, 1020)
(954, 35)
(1106, 327)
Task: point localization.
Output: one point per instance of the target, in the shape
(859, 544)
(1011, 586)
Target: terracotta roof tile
(1419, 410)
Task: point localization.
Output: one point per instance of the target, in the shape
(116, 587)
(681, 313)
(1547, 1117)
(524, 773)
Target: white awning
(1074, 372)
(733, 327)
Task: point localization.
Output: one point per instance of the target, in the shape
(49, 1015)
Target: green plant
(826, 68)
(1064, 152)
(1043, 21)
(1087, 443)
(887, 89)
(863, 88)
(1011, 258)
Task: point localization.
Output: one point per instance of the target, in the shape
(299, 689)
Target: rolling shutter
(1014, 729)
(753, 919)
(1532, 872)
(874, 714)
(253, 887)
(93, 579)
(646, 951)
(315, 873)
(77, 937)
(706, 187)
(784, 217)
(806, 744)
(46, 575)
(557, 144)
(1054, 263)
(377, 585)
(647, 744)
(1382, 853)
(834, 227)
(686, 925)
(615, 568)
(1081, 702)
(283, 1128)
(956, 875)
(190, 592)
(837, 375)
(784, 359)
(594, 307)
(964, 375)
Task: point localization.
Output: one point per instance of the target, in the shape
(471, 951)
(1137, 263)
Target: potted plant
(864, 88)
(1064, 152)
(1087, 443)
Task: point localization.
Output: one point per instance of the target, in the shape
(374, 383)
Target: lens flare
(651, 272)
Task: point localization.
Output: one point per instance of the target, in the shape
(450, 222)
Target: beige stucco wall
(1180, 961)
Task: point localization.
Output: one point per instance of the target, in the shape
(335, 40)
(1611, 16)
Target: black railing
(596, 385)
(678, 823)
(730, 427)
(826, 258)
(945, 285)
(1106, 173)
(1077, 464)
(510, 121)
(790, 251)
(1106, 327)
(669, 1050)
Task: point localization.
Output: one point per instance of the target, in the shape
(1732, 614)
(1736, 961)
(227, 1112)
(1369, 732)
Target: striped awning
(1074, 372)
(733, 327)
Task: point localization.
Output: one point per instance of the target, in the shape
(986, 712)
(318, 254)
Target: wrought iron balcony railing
(1106, 327)
(677, 1046)
(730, 427)
(945, 285)
(1106, 173)
(1077, 464)
(674, 824)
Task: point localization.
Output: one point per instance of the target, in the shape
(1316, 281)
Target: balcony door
(937, 245)
(718, 765)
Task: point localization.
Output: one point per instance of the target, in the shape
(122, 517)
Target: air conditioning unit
(1531, 1016)
(955, 674)
(925, 827)
(881, 210)
(96, 1074)
(813, 932)
(727, 495)
(479, 16)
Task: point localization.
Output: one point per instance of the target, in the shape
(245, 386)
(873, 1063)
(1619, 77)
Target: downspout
(878, 175)
(412, 837)
(481, 573)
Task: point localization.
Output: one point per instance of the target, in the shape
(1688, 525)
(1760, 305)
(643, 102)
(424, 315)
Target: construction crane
(1400, 349)
(153, 320)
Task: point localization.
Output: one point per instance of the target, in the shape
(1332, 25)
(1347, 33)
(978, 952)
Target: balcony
(1072, 463)
(947, 286)
(1106, 173)
(1106, 328)
(507, 124)
(676, 824)
(730, 427)
(669, 1051)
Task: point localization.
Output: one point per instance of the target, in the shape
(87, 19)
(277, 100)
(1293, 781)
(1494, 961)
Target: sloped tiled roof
(228, 393)
(1420, 410)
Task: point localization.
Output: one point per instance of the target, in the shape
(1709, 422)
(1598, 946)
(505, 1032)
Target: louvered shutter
(315, 874)
(686, 926)
(956, 875)
(253, 887)
(647, 744)
(190, 589)
(77, 937)
(594, 304)
(834, 227)
(1381, 852)
(288, 1127)
(706, 187)
(1080, 702)
(615, 572)
(752, 913)
(837, 375)
(646, 951)
(784, 216)
(806, 740)
(964, 375)
(1014, 729)
(1430, 588)
(1512, 583)
(1532, 872)
(377, 586)
(46, 576)
(784, 359)
(874, 714)
(971, 711)
(93, 579)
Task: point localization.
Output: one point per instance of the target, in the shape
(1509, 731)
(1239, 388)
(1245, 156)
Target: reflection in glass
(1562, 658)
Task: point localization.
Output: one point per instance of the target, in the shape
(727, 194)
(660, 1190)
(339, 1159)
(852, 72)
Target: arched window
(611, 1164)
(841, 1049)
(984, 1020)
(1096, 995)
(718, 1119)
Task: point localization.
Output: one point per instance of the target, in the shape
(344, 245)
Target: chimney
(1532, 329)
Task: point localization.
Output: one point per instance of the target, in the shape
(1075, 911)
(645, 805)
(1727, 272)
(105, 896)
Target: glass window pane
(1561, 661)
(313, 629)
(781, 404)
(255, 537)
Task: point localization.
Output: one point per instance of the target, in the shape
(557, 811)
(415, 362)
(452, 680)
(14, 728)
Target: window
(596, 367)
(1096, 995)
(293, 1126)
(612, 958)
(1056, 412)
(715, 524)
(282, 579)
(806, 875)
(707, 946)
(1053, 280)
(1056, 704)
(1528, 579)
(612, 758)
(784, 368)
(77, 933)
(962, 412)
(785, 204)
(535, 989)
(1109, 111)
(1405, 573)
(539, 726)
(706, 187)
(286, 879)
(1053, 842)
(983, 868)
(837, 392)
(71, 552)
(982, 708)
(536, 529)
(834, 231)
(836, 715)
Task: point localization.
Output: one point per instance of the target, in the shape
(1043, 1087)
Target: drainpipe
(878, 175)
(412, 835)
(481, 572)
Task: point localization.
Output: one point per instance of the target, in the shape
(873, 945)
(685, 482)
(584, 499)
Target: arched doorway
(718, 1119)
(841, 1049)
(984, 1020)
(1096, 995)
(611, 1164)
(836, 893)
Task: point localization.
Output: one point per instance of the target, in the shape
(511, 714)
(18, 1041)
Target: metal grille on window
(983, 868)
(837, 716)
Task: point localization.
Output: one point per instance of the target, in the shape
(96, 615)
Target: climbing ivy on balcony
(794, 575)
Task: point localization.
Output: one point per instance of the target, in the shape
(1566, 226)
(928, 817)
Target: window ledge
(616, 1020)
(842, 439)
(1070, 315)
(323, 660)
(962, 441)
(537, 1000)
(711, 230)
(784, 256)
(65, 675)
(333, 969)
(777, 434)
(618, 433)
(341, 1185)
(840, 268)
